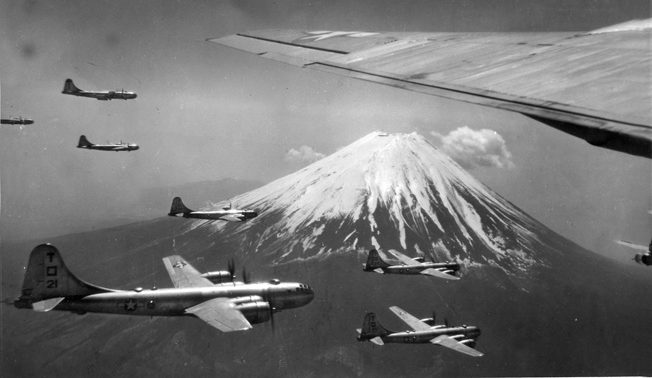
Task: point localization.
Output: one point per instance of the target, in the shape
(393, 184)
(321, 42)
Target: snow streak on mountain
(388, 191)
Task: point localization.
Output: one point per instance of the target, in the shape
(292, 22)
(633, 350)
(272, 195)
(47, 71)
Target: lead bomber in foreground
(214, 297)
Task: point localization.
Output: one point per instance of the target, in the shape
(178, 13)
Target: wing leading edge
(183, 274)
(596, 86)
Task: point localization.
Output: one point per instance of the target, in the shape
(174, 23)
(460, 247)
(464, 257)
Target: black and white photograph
(327, 188)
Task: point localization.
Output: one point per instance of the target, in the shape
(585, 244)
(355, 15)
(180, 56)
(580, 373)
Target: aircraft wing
(637, 247)
(596, 85)
(451, 343)
(221, 314)
(439, 274)
(409, 319)
(183, 274)
(403, 258)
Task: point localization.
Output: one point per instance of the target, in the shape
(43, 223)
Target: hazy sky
(206, 112)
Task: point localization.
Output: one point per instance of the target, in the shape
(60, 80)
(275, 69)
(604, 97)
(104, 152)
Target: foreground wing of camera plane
(592, 85)
(70, 88)
(117, 147)
(213, 297)
(410, 265)
(227, 213)
(460, 338)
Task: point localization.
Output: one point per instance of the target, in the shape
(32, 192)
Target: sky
(207, 112)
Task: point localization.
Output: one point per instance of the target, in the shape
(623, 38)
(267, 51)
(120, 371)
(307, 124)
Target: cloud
(475, 148)
(304, 154)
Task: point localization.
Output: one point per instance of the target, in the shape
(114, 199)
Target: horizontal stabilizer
(47, 305)
(377, 340)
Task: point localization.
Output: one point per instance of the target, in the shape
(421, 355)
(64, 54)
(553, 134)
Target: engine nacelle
(468, 342)
(643, 258)
(255, 312)
(419, 259)
(218, 277)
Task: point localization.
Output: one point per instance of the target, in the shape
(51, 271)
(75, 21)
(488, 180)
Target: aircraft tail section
(48, 281)
(178, 207)
(83, 142)
(374, 261)
(372, 329)
(70, 87)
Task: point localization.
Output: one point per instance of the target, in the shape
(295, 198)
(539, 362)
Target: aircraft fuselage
(416, 269)
(421, 337)
(219, 214)
(105, 95)
(174, 301)
(16, 121)
(112, 147)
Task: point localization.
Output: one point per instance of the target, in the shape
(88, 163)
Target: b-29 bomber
(227, 213)
(116, 147)
(410, 265)
(459, 338)
(213, 297)
(70, 88)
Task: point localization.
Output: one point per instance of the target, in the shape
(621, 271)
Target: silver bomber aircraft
(16, 121)
(117, 147)
(213, 297)
(227, 213)
(410, 265)
(70, 88)
(460, 339)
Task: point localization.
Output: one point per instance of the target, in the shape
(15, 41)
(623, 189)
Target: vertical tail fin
(69, 87)
(372, 329)
(374, 261)
(178, 207)
(83, 142)
(48, 277)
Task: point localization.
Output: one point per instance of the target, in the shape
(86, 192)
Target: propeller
(231, 268)
(245, 276)
(446, 323)
(267, 298)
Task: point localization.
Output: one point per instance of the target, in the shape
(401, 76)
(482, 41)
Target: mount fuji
(545, 305)
(389, 191)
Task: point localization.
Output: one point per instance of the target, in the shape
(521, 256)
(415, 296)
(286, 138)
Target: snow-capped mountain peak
(388, 191)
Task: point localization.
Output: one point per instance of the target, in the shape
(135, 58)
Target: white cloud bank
(475, 148)
(303, 154)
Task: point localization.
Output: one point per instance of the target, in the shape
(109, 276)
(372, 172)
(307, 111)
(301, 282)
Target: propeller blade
(231, 268)
(434, 318)
(245, 276)
(271, 318)
(446, 322)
